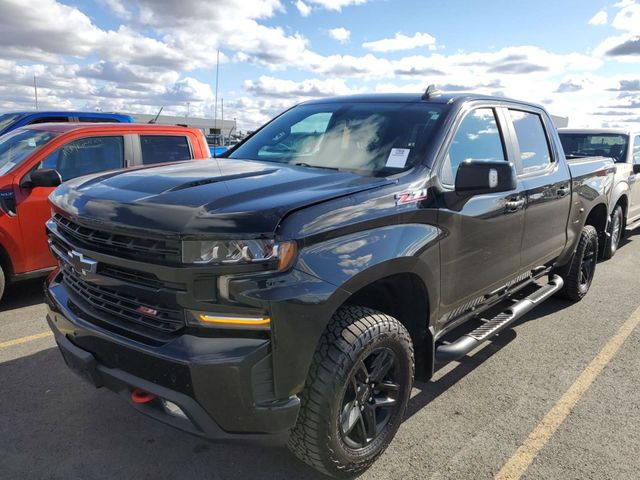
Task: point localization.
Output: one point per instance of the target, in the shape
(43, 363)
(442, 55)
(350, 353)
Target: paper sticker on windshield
(398, 157)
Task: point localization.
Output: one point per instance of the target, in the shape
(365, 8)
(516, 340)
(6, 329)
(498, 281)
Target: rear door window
(477, 138)
(164, 148)
(636, 150)
(532, 140)
(87, 155)
(49, 120)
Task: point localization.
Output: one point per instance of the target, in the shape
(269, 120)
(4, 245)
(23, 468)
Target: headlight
(238, 252)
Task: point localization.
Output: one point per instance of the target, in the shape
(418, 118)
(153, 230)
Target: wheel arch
(623, 201)
(405, 297)
(598, 218)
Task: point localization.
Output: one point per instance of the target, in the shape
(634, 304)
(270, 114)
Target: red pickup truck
(35, 159)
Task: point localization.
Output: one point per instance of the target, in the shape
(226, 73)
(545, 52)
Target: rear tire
(578, 273)
(616, 229)
(356, 392)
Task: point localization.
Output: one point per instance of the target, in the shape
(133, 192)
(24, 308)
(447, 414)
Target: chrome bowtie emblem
(81, 264)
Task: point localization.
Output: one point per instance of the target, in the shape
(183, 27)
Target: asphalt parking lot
(465, 424)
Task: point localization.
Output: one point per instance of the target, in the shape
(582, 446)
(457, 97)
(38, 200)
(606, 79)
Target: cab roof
(88, 126)
(437, 98)
(597, 131)
(65, 113)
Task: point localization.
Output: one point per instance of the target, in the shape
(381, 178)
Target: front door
(76, 158)
(480, 246)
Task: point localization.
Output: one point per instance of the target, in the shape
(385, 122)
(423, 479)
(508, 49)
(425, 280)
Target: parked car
(12, 120)
(34, 159)
(216, 151)
(292, 289)
(623, 147)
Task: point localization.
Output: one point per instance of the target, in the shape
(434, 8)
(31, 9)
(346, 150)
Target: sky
(579, 58)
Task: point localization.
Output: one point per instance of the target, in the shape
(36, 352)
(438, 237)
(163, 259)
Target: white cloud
(303, 8)
(401, 42)
(628, 18)
(599, 18)
(117, 7)
(340, 34)
(272, 87)
(336, 5)
(624, 47)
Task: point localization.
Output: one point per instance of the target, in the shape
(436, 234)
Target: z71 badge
(411, 197)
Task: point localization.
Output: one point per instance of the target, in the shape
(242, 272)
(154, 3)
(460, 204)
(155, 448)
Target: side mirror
(636, 168)
(475, 177)
(45, 177)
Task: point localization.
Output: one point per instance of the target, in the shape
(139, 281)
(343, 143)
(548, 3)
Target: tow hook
(141, 397)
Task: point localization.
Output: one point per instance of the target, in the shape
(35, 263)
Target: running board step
(633, 226)
(459, 348)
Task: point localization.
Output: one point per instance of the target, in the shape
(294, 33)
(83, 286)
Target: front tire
(579, 272)
(616, 229)
(356, 392)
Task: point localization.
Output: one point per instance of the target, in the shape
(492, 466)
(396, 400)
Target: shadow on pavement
(22, 294)
(56, 426)
(431, 390)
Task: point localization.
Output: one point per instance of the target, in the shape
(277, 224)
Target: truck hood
(217, 197)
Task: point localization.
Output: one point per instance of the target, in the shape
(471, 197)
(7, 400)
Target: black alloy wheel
(588, 265)
(371, 398)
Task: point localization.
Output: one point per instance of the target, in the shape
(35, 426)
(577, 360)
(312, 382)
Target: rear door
(74, 159)
(480, 245)
(546, 183)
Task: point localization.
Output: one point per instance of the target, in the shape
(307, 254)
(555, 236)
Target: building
(212, 128)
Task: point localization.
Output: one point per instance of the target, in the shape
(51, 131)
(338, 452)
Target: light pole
(35, 89)
(215, 104)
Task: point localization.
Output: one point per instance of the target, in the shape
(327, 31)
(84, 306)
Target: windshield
(17, 145)
(578, 145)
(7, 119)
(366, 138)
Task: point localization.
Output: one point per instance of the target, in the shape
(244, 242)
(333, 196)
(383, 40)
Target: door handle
(563, 192)
(514, 205)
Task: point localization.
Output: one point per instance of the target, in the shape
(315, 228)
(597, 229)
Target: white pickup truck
(623, 147)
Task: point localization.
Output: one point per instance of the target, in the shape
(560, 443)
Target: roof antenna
(430, 91)
(155, 119)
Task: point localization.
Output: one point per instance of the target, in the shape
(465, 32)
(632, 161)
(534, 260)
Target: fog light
(173, 409)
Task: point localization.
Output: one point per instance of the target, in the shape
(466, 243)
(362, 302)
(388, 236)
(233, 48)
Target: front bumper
(224, 386)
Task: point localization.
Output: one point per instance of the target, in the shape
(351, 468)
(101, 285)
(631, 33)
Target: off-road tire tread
(349, 331)
(570, 273)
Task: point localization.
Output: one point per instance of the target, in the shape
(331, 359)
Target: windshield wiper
(572, 155)
(302, 164)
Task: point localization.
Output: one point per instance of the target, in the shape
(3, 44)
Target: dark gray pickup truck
(292, 290)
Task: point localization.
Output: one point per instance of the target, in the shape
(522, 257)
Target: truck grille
(163, 251)
(121, 310)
